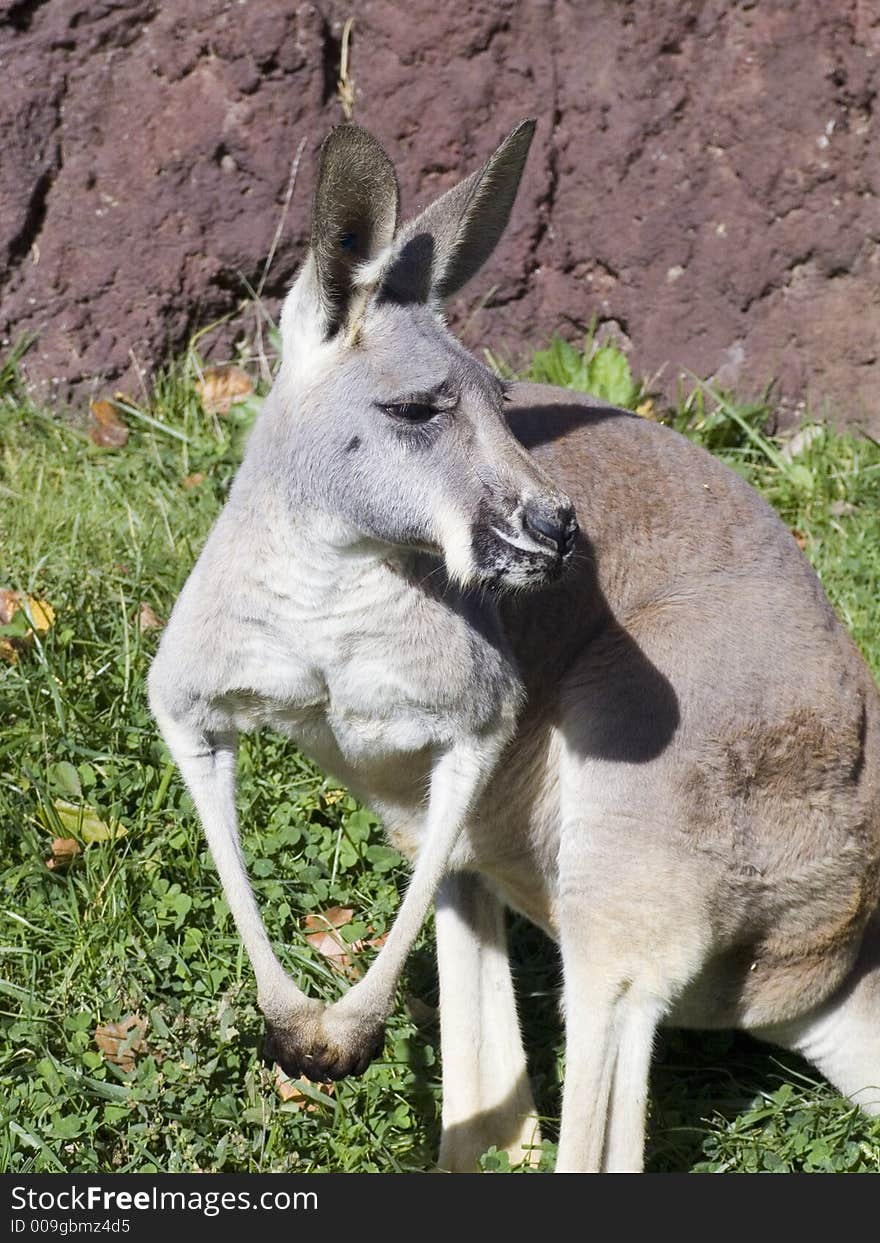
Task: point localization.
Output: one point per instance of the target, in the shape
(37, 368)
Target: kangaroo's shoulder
(578, 429)
(631, 477)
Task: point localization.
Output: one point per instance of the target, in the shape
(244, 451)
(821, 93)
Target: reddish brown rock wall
(705, 175)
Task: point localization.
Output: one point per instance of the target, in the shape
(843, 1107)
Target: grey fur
(662, 747)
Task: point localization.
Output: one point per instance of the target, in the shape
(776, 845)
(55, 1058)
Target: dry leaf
(148, 619)
(9, 605)
(222, 387)
(292, 1090)
(332, 947)
(799, 538)
(324, 938)
(121, 1042)
(105, 426)
(42, 615)
(335, 916)
(193, 481)
(39, 612)
(7, 610)
(64, 851)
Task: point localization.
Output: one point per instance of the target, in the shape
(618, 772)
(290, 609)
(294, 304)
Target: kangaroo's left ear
(441, 249)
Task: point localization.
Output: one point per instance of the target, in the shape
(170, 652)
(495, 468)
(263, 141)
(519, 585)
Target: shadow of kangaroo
(643, 728)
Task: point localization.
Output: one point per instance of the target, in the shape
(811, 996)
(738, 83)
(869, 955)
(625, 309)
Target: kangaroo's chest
(373, 678)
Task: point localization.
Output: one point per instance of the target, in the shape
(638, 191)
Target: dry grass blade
(345, 83)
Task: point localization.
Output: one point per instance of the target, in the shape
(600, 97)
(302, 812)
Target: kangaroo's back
(659, 512)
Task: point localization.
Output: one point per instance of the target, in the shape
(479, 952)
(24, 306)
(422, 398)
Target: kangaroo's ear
(449, 242)
(354, 217)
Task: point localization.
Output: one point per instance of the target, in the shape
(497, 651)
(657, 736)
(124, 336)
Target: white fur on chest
(372, 676)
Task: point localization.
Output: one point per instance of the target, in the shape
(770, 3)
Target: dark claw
(319, 1063)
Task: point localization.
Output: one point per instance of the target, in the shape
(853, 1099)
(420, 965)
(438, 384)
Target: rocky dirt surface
(704, 180)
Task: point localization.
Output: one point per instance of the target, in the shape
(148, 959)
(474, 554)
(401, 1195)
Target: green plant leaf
(84, 822)
(64, 777)
(609, 376)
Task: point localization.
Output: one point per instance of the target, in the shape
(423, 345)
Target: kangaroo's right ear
(353, 222)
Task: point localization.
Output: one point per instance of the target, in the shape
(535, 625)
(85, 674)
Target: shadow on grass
(699, 1076)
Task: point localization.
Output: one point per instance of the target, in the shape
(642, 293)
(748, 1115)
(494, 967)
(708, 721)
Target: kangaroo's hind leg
(611, 1014)
(842, 1037)
(486, 1094)
(633, 934)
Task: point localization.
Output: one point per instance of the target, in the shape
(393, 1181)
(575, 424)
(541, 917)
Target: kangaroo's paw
(323, 1047)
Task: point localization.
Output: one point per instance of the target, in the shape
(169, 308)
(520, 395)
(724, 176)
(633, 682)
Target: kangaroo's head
(400, 431)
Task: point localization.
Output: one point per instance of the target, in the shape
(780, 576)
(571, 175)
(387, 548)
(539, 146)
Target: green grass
(137, 923)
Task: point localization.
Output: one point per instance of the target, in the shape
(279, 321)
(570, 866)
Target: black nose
(556, 526)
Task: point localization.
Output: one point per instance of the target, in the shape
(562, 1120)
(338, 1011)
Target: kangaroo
(642, 727)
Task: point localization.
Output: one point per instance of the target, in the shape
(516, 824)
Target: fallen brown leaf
(331, 947)
(193, 481)
(222, 387)
(106, 428)
(335, 916)
(9, 605)
(43, 615)
(290, 1090)
(40, 612)
(8, 608)
(64, 851)
(799, 538)
(121, 1042)
(324, 938)
(148, 619)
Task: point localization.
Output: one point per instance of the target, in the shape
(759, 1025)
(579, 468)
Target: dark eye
(411, 411)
